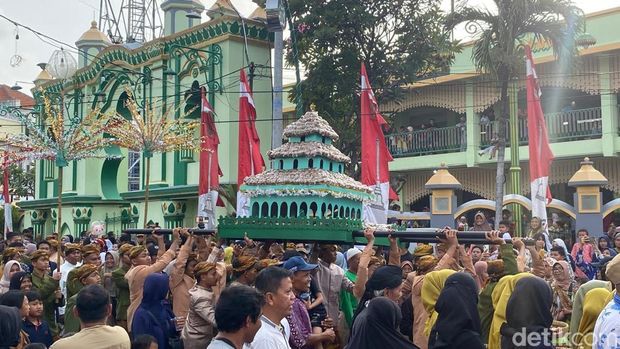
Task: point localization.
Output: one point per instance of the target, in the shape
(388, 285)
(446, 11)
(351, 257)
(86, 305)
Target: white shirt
(606, 333)
(65, 268)
(269, 336)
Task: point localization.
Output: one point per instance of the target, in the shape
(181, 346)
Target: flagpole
(377, 161)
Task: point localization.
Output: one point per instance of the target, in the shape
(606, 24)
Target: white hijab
(6, 280)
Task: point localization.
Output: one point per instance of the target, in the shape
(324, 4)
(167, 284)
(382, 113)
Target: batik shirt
(607, 329)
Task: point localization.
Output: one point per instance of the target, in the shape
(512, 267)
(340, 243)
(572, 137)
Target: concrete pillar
(443, 199)
(473, 126)
(609, 108)
(587, 199)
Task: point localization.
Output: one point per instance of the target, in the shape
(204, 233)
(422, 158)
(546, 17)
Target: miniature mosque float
(306, 195)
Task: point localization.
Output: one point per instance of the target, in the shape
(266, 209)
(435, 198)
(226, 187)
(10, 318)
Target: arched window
(313, 208)
(340, 168)
(264, 210)
(331, 166)
(274, 210)
(294, 210)
(341, 212)
(281, 164)
(357, 214)
(310, 163)
(255, 209)
(284, 210)
(321, 163)
(329, 212)
(303, 210)
(347, 213)
(323, 208)
(295, 164)
(336, 212)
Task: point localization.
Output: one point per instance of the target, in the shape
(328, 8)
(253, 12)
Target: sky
(66, 20)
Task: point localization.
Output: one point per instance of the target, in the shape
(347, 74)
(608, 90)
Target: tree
(400, 41)
(21, 182)
(499, 49)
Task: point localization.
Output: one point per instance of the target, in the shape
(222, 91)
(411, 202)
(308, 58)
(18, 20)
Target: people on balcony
(462, 128)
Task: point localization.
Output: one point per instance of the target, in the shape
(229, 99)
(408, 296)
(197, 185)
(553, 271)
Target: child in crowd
(37, 328)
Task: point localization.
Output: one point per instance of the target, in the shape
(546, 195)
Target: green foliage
(399, 40)
(21, 182)
(504, 31)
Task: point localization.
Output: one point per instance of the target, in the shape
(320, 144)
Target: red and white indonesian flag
(375, 155)
(540, 152)
(210, 171)
(8, 218)
(250, 159)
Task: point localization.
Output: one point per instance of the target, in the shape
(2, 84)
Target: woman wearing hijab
(481, 274)
(605, 247)
(501, 295)
(21, 281)
(10, 269)
(386, 281)
(110, 264)
(593, 305)
(527, 311)
(480, 223)
(377, 327)
(578, 299)
(154, 315)
(18, 299)
(563, 288)
(424, 265)
(458, 323)
(431, 288)
(568, 256)
(10, 327)
(535, 227)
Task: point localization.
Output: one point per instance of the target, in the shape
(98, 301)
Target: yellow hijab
(431, 288)
(500, 296)
(593, 304)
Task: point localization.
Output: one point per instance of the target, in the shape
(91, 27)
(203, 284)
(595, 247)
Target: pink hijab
(481, 273)
(563, 281)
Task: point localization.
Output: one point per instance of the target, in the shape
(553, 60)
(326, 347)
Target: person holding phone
(583, 254)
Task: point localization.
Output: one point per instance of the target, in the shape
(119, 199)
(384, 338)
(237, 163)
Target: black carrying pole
(195, 231)
(429, 235)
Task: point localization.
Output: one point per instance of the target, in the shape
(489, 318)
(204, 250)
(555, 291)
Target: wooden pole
(59, 221)
(146, 189)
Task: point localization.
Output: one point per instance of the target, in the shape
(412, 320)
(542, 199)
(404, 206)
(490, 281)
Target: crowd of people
(186, 291)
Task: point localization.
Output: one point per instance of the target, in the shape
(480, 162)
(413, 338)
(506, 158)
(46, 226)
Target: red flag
(8, 217)
(210, 171)
(250, 161)
(375, 153)
(539, 149)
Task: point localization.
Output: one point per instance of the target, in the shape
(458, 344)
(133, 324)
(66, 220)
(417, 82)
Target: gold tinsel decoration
(60, 139)
(152, 134)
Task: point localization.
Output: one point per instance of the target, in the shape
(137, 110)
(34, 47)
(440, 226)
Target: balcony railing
(428, 141)
(561, 127)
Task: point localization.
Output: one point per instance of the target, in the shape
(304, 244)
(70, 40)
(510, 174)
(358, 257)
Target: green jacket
(47, 286)
(122, 296)
(73, 284)
(72, 323)
(485, 302)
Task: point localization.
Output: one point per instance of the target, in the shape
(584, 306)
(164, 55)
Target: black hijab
(458, 322)
(16, 280)
(10, 326)
(387, 276)
(529, 308)
(377, 327)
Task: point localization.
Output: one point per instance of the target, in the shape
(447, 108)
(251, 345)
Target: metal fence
(427, 141)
